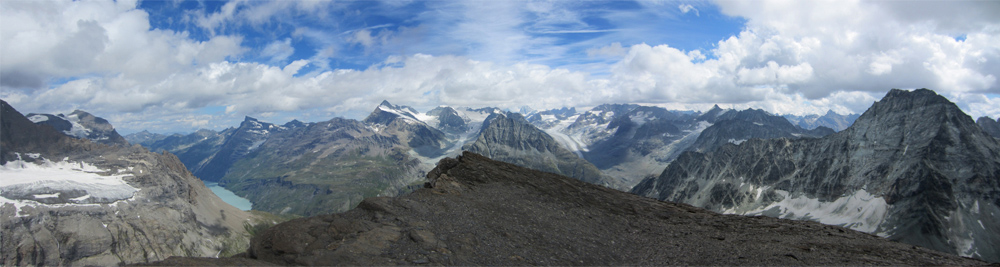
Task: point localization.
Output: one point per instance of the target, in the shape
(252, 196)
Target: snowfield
(859, 211)
(60, 183)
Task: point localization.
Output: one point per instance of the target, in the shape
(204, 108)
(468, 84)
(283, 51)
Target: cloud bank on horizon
(176, 66)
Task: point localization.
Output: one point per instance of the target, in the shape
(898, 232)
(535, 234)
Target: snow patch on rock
(60, 183)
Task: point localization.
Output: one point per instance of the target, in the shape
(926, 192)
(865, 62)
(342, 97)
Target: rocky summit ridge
(478, 211)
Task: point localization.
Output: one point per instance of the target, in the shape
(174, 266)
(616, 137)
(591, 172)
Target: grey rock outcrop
(913, 168)
(477, 211)
(100, 204)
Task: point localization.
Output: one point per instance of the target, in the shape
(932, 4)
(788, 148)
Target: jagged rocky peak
(912, 168)
(712, 114)
(83, 125)
(386, 113)
(294, 124)
(989, 125)
(911, 116)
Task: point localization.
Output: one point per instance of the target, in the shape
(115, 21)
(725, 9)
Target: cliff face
(477, 211)
(66, 201)
(912, 168)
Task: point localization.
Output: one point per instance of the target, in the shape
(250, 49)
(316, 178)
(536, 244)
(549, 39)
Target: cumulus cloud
(41, 40)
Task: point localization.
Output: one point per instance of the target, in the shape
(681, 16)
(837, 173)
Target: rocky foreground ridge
(477, 211)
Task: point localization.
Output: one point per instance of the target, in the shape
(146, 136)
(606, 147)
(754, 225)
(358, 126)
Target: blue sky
(177, 66)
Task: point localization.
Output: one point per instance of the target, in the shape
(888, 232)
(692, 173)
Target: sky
(178, 66)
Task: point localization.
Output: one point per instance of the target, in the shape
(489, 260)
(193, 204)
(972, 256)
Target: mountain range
(476, 211)
(912, 168)
(67, 200)
(345, 160)
(733, 161)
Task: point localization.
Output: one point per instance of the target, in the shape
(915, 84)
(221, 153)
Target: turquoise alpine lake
(229, 196)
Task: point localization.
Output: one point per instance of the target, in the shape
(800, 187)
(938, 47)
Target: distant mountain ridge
(614, 145)
(830, 120)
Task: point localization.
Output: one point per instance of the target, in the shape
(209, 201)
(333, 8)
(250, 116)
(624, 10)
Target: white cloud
(685, 8)
(61, 39)
(278, 51)
(793, 57)
(613, 50)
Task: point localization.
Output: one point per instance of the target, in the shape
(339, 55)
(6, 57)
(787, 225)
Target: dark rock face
(157, 210)
(83, 125)
(989, 125)
(912, 168)
(508, 137)
(476, 211)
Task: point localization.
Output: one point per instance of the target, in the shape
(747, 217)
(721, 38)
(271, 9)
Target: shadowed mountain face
(912, 168)
(69, 201)
(477, 211)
